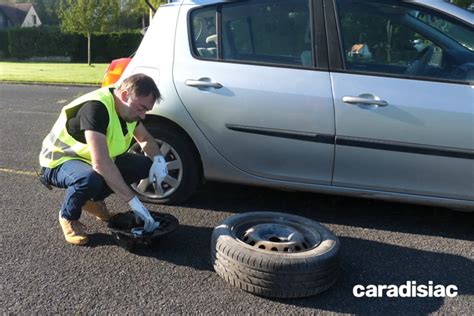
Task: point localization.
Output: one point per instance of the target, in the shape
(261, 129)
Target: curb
(35, 83)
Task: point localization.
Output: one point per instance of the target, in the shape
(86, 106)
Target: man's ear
(124, 96)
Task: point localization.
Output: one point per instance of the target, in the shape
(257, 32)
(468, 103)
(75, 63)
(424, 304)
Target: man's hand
(142, 213)
(158, 171)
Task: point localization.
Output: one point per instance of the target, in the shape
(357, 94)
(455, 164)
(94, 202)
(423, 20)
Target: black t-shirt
(92, 116)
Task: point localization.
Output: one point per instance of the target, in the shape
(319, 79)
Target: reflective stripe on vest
(59, 146)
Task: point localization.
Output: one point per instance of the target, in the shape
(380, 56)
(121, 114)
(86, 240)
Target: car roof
(447, 8)
(203, 2)
(438, 5)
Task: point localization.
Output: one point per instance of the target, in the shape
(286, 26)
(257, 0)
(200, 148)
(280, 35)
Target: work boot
(98, 209)
(73, 231)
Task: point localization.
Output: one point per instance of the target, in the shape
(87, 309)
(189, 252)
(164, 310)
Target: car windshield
(460, 34)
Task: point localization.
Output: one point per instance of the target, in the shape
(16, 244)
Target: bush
(41, 41)
(47, 41)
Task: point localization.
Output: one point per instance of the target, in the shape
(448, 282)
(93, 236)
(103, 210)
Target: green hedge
(40, 42)
(105, 47)
(4, 51)
(45, 41)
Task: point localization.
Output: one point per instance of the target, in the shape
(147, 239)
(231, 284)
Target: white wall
(29, 19)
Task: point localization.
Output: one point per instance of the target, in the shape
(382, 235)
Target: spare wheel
(275, 254)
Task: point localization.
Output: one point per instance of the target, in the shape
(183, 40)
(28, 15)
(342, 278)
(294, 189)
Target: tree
(139, 8)
(86, 17)
(462, 3)
(47, 11)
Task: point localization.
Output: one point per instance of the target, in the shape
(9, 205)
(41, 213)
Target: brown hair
(140, 85)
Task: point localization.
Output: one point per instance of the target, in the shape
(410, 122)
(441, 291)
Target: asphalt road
(382, 243)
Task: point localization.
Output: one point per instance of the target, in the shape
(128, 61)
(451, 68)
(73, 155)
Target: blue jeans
(82, 183)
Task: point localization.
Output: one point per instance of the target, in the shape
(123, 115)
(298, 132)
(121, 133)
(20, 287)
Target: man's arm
(103, 165)
(146, 141)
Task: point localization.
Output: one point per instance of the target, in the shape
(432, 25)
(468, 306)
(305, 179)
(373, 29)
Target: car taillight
(115, 70)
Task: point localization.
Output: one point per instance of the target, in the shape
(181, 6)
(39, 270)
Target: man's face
(137, 106)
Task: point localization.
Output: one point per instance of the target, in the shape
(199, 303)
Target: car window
(263, 31)
(268, 31)
(203, 32)
(405, 40)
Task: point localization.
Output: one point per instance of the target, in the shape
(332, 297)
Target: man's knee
(133, 167)
(144, 170)
(91, 182)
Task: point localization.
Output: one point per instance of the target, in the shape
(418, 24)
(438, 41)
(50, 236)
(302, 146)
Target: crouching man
(86, 153)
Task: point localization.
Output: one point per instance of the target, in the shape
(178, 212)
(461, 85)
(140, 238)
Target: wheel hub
(275, 237)
(171, 183)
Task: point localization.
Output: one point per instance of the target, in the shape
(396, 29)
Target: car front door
(404, 100)
(250, 83)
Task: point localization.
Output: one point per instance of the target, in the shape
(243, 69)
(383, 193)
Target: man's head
(138, 93)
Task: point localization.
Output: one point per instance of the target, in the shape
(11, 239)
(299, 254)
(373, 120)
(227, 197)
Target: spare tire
(275, 254)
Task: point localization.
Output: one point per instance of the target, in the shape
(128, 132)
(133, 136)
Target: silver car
(372, 99)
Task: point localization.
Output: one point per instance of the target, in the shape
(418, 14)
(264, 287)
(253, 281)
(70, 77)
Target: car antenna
(151, 7)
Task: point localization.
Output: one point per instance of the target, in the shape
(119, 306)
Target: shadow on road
(99, 240)
(371, 214)
(362, 261)
(187, 246)
(367, 262)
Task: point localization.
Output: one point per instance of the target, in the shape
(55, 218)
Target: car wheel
(184, 173)
(275, 254)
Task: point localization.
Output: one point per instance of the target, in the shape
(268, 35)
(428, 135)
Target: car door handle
(364, 99)
(202, 83)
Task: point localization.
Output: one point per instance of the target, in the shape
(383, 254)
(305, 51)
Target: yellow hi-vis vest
(59, 146)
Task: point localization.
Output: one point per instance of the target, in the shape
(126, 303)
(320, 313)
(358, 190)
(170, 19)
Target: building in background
(18, 15)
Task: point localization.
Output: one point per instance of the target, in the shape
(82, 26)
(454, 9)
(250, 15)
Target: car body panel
(407, 146)
(240, 113)
(154, 57)
(238, 129)
(422, 140)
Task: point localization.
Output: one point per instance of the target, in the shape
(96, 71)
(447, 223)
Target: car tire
(238, 256)
(180, 151)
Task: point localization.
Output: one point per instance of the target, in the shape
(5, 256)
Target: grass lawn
(52, 72)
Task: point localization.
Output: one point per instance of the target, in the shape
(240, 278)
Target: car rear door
(246, 73)
(404, 100)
